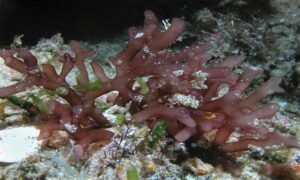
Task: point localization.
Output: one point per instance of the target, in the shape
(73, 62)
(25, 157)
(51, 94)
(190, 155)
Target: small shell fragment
(18, 143)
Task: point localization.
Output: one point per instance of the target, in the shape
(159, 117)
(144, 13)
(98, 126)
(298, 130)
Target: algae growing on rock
(258, 36)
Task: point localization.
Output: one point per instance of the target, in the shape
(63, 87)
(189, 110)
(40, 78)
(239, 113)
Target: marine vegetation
(189, 88)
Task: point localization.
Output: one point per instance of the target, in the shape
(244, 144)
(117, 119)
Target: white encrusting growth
(185, 100)
(178, 72)
(199, 81)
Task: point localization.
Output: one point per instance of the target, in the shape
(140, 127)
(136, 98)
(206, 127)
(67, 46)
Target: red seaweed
(148, 53)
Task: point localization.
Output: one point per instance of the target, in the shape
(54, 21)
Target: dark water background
(87, 20)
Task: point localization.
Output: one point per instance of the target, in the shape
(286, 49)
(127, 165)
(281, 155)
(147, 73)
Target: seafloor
(267, 33)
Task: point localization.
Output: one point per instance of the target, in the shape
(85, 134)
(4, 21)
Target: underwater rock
(18, 143)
